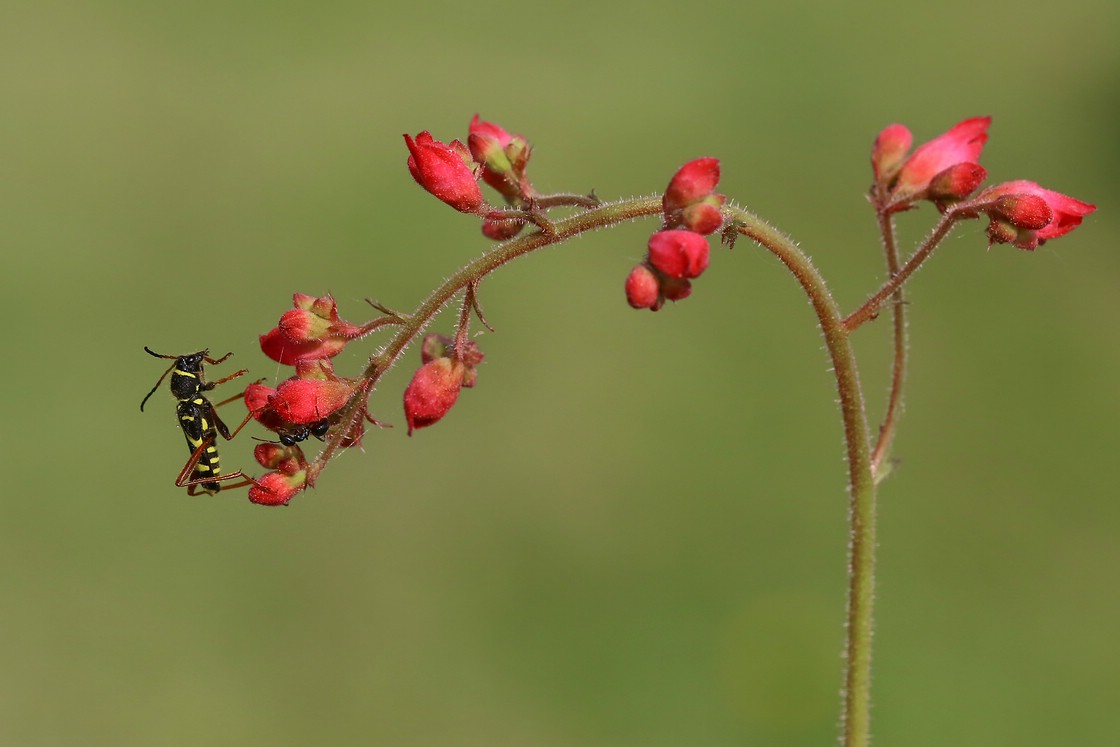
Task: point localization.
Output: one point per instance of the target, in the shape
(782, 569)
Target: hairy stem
(870, 308)
(856, 709)
(898, 364)
(471, 274)
(861, 484)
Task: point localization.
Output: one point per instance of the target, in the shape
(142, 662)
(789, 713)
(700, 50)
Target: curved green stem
(472, 273)
(861, 484)
(852, 407)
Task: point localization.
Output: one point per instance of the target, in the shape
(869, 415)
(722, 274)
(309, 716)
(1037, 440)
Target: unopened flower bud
(1002, 232)
(504, 158)
(676, 289)
(431, 393)
(955, 183)
(678, 253)
(311, 330)
(285, 459)
(258, 401)
(309, 400)
(282, 349)
(257, 395)
(693, 182)
(690, 200)
(1015, 203)
(444, 171)
(315, 319)
(301, 325)
(889, 151)
(487, 142)
(1022, 211)
(643, 291)
(704, 217)
(276, 488)
(501, 229)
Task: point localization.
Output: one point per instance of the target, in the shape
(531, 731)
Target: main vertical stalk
(861, 485)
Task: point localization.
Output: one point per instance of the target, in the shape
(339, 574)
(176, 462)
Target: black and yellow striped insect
(199, 421)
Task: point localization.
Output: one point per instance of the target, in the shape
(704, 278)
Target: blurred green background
(632, 532)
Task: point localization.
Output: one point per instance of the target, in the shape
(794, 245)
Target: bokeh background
(632, 532)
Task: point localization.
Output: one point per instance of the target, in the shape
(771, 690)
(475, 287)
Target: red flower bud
(276, 489)
(262, 401)
(300, 325)
(257, 396)
(431, 393)
(315, 319)
(1029, 212)
(305, 401)
(890, 148)
(956, 183)
(435, 345)
(258, 401)
(675, 289)
(500, 230)
(690, 200)
(285, 459)
(674, 256)
(693, 182)
(703, 217)
(311, 330)
(1002, 232)
(679, 254)
(643, 291)
(443, 170)
(282, 349)
(487, 143)
(487, 139)
(1066, 212)
(504, 158)
(269, 455)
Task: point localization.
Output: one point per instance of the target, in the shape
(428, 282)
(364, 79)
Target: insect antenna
(161, 378)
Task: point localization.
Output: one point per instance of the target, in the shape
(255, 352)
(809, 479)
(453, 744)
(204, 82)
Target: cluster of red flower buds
(945, 171)
(1025, 215)
(451, 171)
(305, 404)
(447, 368)
(678, 252)
(288, 478)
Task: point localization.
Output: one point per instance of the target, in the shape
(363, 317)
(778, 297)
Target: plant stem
(861, 484)
(898, 363)
(382, 360)
(870, 308)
